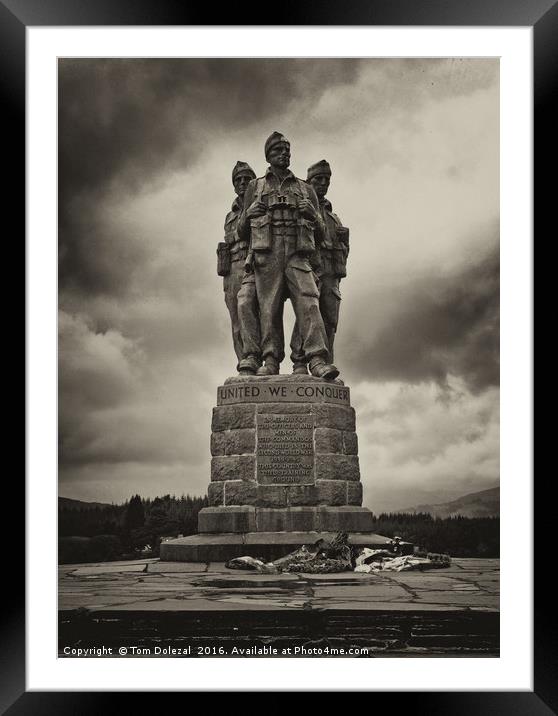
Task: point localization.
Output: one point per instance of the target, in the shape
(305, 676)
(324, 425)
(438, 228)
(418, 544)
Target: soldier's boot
(271, 367)
(300, 369)
(248, 365)
(320, 369)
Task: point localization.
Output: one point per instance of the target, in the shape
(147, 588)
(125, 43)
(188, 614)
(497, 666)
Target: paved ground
(451, 611)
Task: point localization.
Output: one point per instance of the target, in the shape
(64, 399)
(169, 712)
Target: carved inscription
(285, 449)
(280, 392)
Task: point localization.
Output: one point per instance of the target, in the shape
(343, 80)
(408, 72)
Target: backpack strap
(305, 189)
(260, 183)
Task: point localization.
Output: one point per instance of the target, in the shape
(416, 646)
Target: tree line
(457, 536)
(125, 531)
(137, 527)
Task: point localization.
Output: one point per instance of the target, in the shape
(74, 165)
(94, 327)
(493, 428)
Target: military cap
(242, 168)
(321, 167)
(273, 139)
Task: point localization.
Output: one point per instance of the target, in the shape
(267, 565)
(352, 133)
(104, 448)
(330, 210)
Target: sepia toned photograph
(278, 357)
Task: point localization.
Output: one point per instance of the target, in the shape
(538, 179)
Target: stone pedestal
(284, 460)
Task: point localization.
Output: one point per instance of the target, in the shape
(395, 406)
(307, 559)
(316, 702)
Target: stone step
(265, 545)
(247, 518)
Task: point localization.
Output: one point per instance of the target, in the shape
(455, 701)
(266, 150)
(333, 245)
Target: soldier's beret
(273, 139)
(321, 167)
(242, 168)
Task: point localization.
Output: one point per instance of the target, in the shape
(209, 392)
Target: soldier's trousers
(279, 273)
(330, 301)
(249, 317)
(232, 285)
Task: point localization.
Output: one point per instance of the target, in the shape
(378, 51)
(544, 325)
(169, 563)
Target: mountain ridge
(485, 503)
(67, 503)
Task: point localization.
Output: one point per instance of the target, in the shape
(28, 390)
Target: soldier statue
(331, 265)
(231, 257)
(281, 219)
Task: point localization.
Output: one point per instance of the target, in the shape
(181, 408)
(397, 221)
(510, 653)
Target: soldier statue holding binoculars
(282, 221)
(282, 225)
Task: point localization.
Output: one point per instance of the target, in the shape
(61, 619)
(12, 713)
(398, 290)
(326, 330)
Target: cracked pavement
(468, 584)
(442, 612)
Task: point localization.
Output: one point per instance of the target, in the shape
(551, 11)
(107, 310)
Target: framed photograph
(187, 409)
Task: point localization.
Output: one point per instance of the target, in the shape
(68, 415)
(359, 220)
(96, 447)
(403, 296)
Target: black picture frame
(542, 16)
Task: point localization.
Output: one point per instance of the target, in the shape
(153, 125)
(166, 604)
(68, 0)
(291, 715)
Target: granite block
(240, 518)
(328, 440)
(233, 467)
(233, 417)
(337, 467)
(331, 492)
(240, 492)
(350, 443)
(334, 416)
(233, 442)
(354, 493)
(215, 493)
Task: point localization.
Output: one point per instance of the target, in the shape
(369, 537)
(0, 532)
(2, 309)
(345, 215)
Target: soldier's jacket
(238, 247)
(334, 248)
(283, 217)
(233, 248)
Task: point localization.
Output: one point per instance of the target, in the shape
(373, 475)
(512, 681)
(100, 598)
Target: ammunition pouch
(342, 233)
(340, 252)
(339, 263)
(260, 231)
(223, 259)
(239, 251)
(305, 243)
(305, 278)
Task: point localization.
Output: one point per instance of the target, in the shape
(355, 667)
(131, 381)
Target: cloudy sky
(146, 149)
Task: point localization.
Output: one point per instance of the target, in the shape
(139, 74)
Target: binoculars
(281, 201)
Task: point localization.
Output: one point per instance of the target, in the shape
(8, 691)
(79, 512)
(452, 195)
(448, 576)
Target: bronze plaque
(285, 449)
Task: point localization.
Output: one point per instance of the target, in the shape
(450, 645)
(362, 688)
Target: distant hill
(477, 504)
(65, 503)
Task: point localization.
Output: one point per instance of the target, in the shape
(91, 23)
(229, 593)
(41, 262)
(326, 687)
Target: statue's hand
(256, 209)
(248, 268)
(307, 209)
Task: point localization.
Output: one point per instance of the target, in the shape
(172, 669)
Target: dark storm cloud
(127, 118)
(437, 326)
(112, 409)
(122, 123)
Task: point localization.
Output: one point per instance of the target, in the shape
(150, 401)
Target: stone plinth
(284, 459)
(247, 518)
(283, 442)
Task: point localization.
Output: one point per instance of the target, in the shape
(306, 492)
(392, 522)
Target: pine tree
(134, 517)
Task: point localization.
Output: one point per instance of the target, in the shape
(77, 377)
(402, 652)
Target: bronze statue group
(282, 240)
